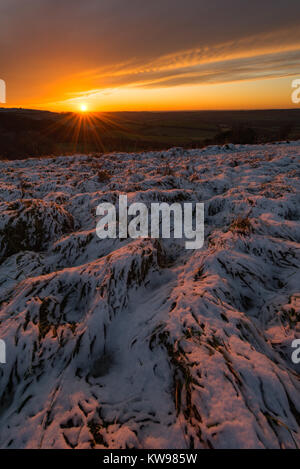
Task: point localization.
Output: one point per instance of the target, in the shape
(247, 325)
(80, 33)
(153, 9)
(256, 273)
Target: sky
(114, 55)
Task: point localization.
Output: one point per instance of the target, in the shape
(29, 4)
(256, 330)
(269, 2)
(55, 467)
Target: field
(25, 133)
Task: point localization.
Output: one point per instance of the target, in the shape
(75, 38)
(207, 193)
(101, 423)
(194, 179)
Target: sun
(83, 108)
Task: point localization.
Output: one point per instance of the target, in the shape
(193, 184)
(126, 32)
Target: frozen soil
(142, 343)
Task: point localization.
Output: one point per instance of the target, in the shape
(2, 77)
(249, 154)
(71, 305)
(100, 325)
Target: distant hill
(26, 133)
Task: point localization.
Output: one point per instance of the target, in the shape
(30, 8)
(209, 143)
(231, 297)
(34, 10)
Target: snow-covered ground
(142, 343)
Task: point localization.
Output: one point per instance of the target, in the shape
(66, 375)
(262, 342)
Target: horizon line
(149, 112)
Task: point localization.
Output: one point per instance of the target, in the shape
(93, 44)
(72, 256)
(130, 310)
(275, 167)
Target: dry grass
(242, 225)
(104, 176)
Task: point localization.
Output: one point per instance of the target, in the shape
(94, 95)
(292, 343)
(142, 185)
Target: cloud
(98, 45)
(194, 67)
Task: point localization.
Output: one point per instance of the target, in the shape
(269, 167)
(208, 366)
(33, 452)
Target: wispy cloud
(166, 73)
(74, 48)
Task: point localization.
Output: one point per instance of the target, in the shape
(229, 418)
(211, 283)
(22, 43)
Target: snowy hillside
(142, 343)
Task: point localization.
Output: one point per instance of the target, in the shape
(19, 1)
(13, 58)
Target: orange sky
(274, 93)
(111, 57)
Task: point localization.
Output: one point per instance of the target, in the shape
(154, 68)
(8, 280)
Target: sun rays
(84, 131)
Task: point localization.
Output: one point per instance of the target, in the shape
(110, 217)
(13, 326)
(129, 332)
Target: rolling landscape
(28, 133)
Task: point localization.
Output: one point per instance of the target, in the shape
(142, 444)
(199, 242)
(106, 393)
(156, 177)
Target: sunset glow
(212, 61)
(149, 228)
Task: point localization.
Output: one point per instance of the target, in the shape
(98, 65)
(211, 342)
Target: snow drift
(142, 343)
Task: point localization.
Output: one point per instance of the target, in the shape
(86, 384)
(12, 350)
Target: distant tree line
(245, 134)
(36, 134)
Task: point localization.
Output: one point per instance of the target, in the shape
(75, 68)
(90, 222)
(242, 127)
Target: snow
(142, 343)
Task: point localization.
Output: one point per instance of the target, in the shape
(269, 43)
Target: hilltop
(142, 343)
